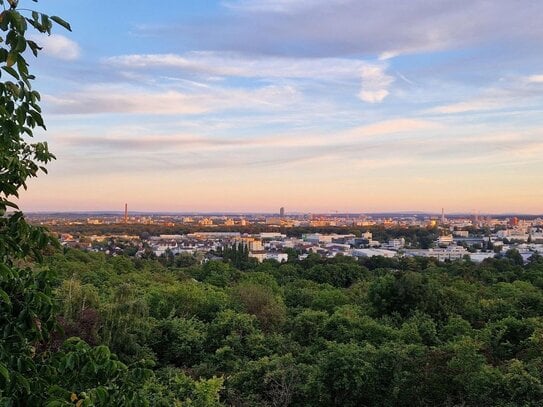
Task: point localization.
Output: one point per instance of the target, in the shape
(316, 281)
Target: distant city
(276, 236)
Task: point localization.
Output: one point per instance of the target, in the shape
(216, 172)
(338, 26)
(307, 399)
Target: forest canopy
(341, 332)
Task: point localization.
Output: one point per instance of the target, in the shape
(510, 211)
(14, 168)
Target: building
(449, 253)
(280, 257)
(513, 221)
(205, 222)
(262, 255)
(274, 221)
(272, 235)
(373, 253)
(161, 248)
(480, 256)
(461, 233)
(282, 212)
(396, 244)
(254, 245)
(445, 240)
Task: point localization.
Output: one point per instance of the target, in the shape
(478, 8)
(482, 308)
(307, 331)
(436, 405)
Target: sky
(314, 105)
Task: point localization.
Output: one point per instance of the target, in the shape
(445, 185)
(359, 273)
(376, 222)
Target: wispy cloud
(470, 106)
(229, 64)
(375, 82)
(275, 6)
(535, 78)
(394, 126)
(129, 140)
(516, 91)
(101, 99)
(423, 149)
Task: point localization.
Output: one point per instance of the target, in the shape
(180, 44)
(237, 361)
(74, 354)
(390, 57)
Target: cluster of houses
(451, 245)
(276, 246)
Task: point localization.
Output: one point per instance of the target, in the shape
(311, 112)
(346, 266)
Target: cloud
(141, 143)
(517, 92)
(383, 56)
(470, 106)
(535, 79)
(375, 84)
(229, 64)
(403, 144)
(394, 126)
(275, 6)
(58, 46)
(130, 141)
(101, 99)
(364, 27)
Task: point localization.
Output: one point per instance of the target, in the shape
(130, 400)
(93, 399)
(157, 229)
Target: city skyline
(348, 106)
(294, 213)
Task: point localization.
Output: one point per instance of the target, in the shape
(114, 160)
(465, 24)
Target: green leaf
(46, 24)
(61, 22)
(12, 72)
(4, 20)
(5, 297)
(10, 204)
(12, 58)
(4, 372)
(101, 394)
(24, 382)
(21, 44)
(34, 47)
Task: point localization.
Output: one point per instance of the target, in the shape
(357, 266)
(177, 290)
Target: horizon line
(246, 212)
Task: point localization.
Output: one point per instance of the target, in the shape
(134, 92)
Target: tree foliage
(34, 369)
(26, 310)
(415, 333)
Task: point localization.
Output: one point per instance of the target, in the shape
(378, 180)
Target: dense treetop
(381, 332)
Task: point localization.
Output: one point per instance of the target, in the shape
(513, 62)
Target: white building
(160, 249)
(272, 235)
(367, 235)
(280, 257)
(449, 253)
(395, 244)
(264, 255)
(480, 256)
(372, 253)
(260, 255)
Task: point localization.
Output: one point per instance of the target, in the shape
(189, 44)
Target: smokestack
(125, 213)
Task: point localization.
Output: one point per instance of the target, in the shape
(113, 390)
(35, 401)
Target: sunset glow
(318, 106)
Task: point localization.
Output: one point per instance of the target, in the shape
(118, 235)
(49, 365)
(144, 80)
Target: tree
(515, 257)
(26, 309)
(33, 373)
(260, 301)
(346, 375)
(237, 254)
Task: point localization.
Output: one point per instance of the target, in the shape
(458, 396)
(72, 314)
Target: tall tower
(125, 213)
(282, 212)
(442, 216)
